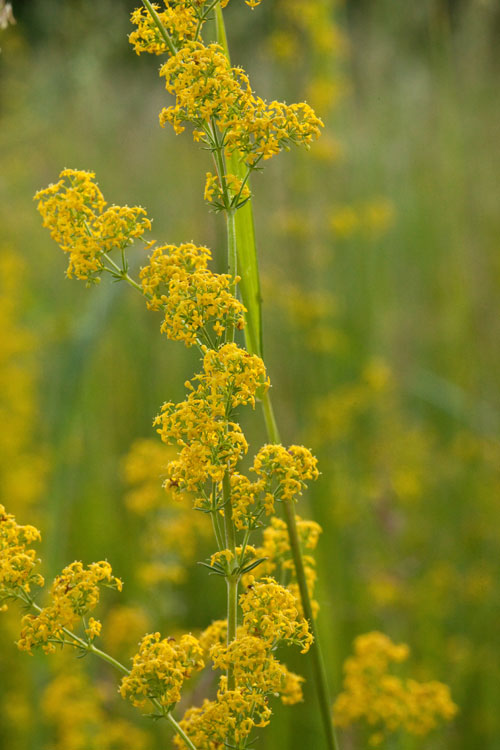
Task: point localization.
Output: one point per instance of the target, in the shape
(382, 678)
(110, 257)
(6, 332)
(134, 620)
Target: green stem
(109, 659)
(318, 663)
(178, 730)
(232, 258)
(231, 579)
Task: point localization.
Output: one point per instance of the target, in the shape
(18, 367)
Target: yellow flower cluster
(74, 593)
(249, 501)
(269, 618)
(233, 193)
(277, 553)
(216, 633)
(234, 713)
(209, 442)
(270, 612)
(192, 298)
(208, 90)
(387, 702)
(232, 377)
(17, 561)
(160, 668)
(285, 470)
(180, 21)
(255, 669)
(74, 212)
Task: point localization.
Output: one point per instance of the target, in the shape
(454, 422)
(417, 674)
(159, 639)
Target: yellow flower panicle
(285, 470)
(208, 444)
(234, 712)
(207, 90)
(278, 555)
(17, 560)
(387, 702)
(74, 593)
(232, 377)
(270, 612)
(249, 502)
(74, 212)
(160, 669)
(199, 426)
(232, 194)
(179, 19)
(216, 633)
(255, 669)
(191, 297)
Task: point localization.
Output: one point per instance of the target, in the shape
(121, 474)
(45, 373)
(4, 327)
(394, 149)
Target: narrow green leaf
(248, 267)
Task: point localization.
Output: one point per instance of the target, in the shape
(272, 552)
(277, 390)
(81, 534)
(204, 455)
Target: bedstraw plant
(256, 532)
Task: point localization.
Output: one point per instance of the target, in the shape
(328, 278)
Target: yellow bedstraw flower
(285, 469)
(235, 195)
(74, 593)
(207, 89)
(255, 669)
(160, 668)
(17, 561)
(74, 212)
(93, 630)
(178, 282)
(249, 501)
(208, 443)
(386, 702)
(277, 553)
(234, 712)
(179, 20)
(216, 633)
(199, 425)
(270, 612)
(231, 376)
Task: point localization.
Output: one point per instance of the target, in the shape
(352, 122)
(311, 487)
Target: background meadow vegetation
(381, 281)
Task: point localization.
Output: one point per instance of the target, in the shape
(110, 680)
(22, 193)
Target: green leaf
(248, 267)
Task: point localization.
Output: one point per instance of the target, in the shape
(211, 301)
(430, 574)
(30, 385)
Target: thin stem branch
(89, 647)
(179, 730)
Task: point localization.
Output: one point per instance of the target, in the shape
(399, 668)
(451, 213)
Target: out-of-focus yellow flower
(387, 702)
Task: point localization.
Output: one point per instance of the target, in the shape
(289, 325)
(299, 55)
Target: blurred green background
(381, 279)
